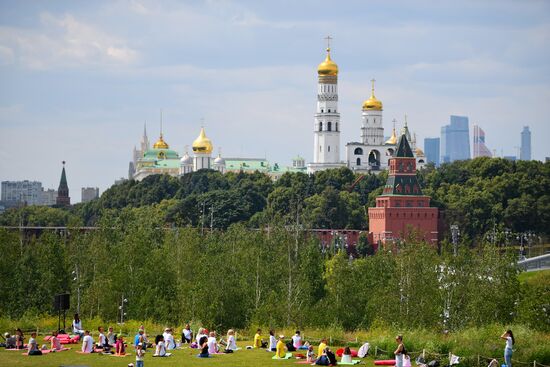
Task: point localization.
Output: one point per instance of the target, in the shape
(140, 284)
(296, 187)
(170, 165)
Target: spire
(161, 123)
(403, 148)
(372, 88)
(161, 144)
(63, 198)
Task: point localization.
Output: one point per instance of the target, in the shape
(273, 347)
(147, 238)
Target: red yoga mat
(385, 362)
(340, 351)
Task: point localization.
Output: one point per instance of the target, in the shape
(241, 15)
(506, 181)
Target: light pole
(455, 232)
(76, 278)
(524, 236)
(123, 301)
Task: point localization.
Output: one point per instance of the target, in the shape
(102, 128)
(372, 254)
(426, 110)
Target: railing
(535, 263)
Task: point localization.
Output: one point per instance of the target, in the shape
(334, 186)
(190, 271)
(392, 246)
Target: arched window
(321, 126)
(329, 126)
(329, 148)
(336, 126)
(329, 110)
(358, 151)
(358, 161)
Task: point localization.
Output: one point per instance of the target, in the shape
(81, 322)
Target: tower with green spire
(63, 198)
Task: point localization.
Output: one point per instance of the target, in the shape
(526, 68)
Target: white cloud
(64, 41)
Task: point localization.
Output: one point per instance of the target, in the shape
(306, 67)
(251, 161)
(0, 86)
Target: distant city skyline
(80, 79)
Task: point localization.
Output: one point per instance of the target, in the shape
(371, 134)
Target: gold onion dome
(327, 67)
(161, 144)
(393, 139)
(202, 144)
(372, 104)
(419, 152)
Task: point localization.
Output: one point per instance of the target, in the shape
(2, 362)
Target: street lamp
(524, 236)
(76, 278)
(455, 232)
(123, 301)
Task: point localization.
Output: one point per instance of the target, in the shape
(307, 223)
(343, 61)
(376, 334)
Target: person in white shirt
(169, 339)
(102, 340)
(508, 349)
(212, 343)
(231, 342)
(160, 350)
(186, 334)
(111, 337)
(139, 355)
(272, 341)
(33, 346)
(87, 343)
(297, 340)
(77, 326)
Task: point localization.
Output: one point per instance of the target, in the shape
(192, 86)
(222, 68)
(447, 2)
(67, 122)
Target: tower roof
(327, 67)
(202, 144)
(372, 104)
(63, 182)
(403, 148)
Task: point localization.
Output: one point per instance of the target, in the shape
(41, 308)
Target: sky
(79, 79)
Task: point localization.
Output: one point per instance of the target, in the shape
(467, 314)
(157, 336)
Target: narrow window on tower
(329, 148)
(358, 161)
(336, 127)
(329, 126)
(321, 126)
(329, 110)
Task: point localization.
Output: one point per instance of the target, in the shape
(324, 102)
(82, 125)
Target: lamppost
(524, 236)
(455, 232)
(123, 301)
(76, 278)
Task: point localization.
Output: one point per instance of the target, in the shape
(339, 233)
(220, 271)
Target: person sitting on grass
(10, 341)
(160, 350)
(258, 342)
(272, 341)
(55, 344)
(212, 343)
(120, 347)
(200, 334)
(77, 326)
(101, 339)
(203, 346)
(346, 356)
(297, 340)
(231, 343)
(186, 334)
(310, 356)
(87, 343)
(19, 339)
(111, 337)
(33, 346)
(280, 351)
(322, 346)
(169, 339)
(139, 339)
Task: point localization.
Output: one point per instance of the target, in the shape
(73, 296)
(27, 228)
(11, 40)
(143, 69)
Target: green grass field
(184, 357)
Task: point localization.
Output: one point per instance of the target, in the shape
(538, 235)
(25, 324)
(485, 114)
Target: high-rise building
(525, 152)
(48, 197)
(89, 193)
(27, 192)
(63, 198)
(480, 149)
(431, 149)
(455, 140)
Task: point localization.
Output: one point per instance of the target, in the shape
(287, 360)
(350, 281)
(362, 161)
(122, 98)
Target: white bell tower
(326, 127)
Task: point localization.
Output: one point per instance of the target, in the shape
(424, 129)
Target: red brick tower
(402, 208)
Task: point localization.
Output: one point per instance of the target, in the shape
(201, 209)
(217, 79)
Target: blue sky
(78, 79)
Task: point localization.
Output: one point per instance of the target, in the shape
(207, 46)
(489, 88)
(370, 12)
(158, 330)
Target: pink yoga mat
(385, 362)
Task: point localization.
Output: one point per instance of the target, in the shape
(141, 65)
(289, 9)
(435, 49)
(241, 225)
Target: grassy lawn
(526, 275)
(184, 357)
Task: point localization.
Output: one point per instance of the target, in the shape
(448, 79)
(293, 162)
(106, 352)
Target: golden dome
(161, 144)
(419, 152)
(327, 67)
(372, 104)
(393, 139)
(202, 144)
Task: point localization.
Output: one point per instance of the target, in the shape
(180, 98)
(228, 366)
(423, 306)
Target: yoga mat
(385, 362)
(120, 355)
(287, 356)
(304, 362)
(356, 361)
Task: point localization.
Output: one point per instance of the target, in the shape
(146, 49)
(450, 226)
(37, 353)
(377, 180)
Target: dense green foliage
(482, 196)
(242, 277)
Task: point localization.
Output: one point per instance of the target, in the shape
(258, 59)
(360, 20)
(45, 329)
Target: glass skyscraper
(431, 149)
(525, 152)
(455, 140)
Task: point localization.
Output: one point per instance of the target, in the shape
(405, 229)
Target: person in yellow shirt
(281, 348)
(322, 347)
(258, 339)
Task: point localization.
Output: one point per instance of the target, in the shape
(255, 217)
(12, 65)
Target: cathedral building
(372, 152)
